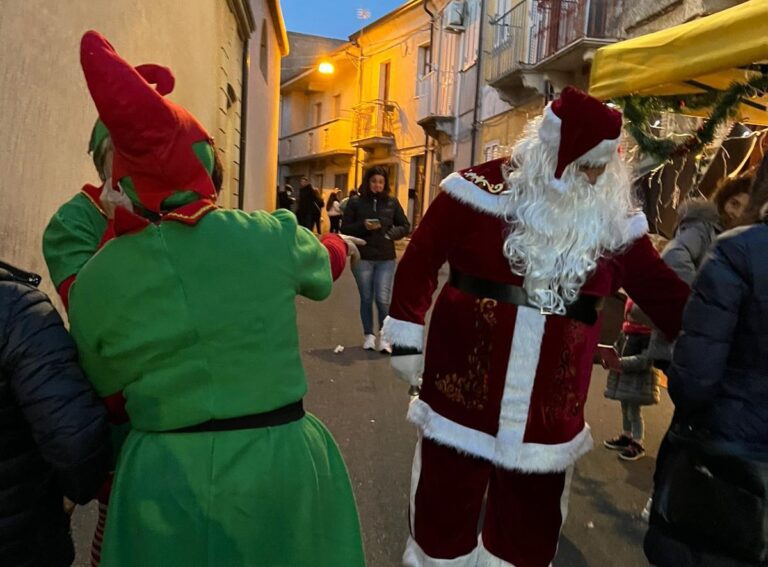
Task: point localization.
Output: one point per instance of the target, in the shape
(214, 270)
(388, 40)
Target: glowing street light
(326, 68)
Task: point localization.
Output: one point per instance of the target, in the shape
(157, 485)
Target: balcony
(436, 109)
(374, 124)
(564, 32)
(323, 141)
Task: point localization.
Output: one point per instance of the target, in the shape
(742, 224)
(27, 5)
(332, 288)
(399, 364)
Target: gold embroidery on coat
(471, 389)
(566, 402)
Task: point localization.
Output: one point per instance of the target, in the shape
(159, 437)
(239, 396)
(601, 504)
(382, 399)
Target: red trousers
(523, 516)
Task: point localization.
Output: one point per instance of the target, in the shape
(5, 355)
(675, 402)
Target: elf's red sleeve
(337, 252)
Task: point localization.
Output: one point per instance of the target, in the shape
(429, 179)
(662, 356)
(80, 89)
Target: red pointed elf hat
(152, 136)
(582, 129)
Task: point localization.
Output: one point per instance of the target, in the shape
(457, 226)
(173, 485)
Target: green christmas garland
(638, 110)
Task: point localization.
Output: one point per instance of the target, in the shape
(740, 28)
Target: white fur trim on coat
(414, 556)
(403, 333)
(638, 226)
(467, 192)
(531, 457)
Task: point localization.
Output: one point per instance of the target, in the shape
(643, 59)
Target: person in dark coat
(285, 198)
(305, 205)
(376, 217)
(54, 439)
(719, 384)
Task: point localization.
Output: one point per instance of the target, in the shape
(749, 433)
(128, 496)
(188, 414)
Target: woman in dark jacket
(719, 384)
(376, 217)
(54, 439)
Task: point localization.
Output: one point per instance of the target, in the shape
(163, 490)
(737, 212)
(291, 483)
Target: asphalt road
(364, 406)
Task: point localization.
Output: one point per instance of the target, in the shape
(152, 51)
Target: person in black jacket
(307, 206)
(719, 384)
(376, 217)
(54, 439)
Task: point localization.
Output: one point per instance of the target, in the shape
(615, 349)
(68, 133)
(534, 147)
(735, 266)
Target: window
(337, 106)
(384, 70)
(471, 34)
(424, 61)
(341, 181)
(492, 150)
(264, 52)
(318, 113)
(317, 181)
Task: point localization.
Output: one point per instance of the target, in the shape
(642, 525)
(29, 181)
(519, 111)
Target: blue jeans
(374, 281)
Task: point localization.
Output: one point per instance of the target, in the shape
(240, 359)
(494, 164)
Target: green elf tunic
(194, 322)
(189, 314)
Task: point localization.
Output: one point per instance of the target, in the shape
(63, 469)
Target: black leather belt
(280, 416)
(584, 309)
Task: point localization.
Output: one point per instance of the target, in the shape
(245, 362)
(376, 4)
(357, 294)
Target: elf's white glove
(353, 244)
(408, 367)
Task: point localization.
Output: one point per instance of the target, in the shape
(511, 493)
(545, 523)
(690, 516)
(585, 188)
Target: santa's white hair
(557, 237)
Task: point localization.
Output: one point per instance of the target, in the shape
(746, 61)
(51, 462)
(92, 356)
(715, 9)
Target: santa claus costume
(533, 246)
(187, 312)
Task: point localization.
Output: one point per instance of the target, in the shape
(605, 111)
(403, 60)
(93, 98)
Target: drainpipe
(243, 126)
(426, 189)
(479, 84)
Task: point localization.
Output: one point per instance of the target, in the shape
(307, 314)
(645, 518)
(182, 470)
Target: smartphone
(610, 357)
(375, 222)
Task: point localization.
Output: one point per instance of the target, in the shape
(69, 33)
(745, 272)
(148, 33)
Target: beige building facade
(364, 114)
(47, 112)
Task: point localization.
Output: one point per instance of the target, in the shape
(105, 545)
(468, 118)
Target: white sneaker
(370, 342)
(385, 345)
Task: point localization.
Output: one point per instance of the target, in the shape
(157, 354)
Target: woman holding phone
(376, 217)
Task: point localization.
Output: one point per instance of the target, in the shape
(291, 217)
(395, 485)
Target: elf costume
(506, 370)
(188, 312)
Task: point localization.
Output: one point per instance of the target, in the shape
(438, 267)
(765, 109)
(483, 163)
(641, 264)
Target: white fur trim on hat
(549, 129)
(602, 153)
(470, 194)
(403, 333)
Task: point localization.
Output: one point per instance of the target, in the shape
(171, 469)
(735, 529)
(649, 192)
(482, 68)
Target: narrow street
(364, 405)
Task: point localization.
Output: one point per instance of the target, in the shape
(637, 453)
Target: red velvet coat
(503, 382)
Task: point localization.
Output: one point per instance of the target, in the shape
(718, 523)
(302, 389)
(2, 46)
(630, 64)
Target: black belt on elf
(280, 416)
(584, 309)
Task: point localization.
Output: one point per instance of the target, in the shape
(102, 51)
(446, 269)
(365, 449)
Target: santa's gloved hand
(408, 364)
(353, 245)
(112, 198)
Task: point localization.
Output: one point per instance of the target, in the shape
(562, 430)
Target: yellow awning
(707, 53)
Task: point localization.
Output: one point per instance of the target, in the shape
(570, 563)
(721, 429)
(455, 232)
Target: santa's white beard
(556, 239)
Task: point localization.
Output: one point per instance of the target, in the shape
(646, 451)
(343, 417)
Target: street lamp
(326, 68)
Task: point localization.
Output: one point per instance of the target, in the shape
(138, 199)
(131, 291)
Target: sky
(332, 18)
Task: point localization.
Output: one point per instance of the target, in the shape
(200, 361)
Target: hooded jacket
(55, 438)
(698, 227)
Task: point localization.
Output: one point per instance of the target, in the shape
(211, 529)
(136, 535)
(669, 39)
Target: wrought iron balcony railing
(333, 137)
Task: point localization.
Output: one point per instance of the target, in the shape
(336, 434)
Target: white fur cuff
(470, 194)
(403, 333)
(638, 226)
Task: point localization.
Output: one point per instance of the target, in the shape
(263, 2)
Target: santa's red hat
(582, 130)
(152, 137)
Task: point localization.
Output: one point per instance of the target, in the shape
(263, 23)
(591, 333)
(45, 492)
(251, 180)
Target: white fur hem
(403, 333)
(638, 226)
(414, 556)
(528, 457)
(468, 193)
